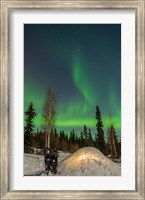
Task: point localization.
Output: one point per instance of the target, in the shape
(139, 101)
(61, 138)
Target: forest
(106, 141)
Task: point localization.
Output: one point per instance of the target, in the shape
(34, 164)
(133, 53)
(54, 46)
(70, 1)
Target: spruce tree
(86, 135)
(72, 137)
(100, 132)
(90, 140)
(29, 116)
(82, 140)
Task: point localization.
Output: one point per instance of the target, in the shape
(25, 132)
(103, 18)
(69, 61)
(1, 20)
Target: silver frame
(6, 7)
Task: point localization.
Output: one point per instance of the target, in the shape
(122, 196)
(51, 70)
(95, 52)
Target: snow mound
(88, 161)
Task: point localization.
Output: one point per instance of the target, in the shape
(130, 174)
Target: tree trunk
(113, 148)
(45, 140)
(48, 140)
(111, 143)
(114, 145)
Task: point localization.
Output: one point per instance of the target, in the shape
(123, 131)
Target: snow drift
(88, 161)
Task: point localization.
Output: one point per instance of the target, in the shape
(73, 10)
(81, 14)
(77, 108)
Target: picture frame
(6, 8)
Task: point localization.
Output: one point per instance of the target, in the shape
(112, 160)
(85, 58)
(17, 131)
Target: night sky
(82, 64)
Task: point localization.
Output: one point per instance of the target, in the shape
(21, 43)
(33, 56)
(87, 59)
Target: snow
(87, 161)
(34, 164)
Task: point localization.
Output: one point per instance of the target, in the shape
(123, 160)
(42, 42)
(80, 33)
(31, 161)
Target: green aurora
(84, 84)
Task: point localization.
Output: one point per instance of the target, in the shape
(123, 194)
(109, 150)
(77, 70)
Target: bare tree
(112, 138)
(112, 141)
(49, 114)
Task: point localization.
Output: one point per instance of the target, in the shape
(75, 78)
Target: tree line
(62, 141)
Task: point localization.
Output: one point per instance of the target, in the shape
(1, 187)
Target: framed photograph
(72, 99)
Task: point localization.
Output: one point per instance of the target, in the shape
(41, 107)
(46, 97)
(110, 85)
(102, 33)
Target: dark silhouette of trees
(72, 142)
(87, 137)
(28, 129)
(90, 139)
(72, 137)
(67, 142)
(39, 140)
(30, 114)
(82, 140)
(100, 133)
(49, 114)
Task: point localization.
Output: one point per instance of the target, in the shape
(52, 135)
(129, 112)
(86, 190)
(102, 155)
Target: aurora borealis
(82, 64)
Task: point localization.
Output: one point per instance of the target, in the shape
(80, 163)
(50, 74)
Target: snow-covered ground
(87, 161)
(34, 164)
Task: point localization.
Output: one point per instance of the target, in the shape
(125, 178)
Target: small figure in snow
(51, 157)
